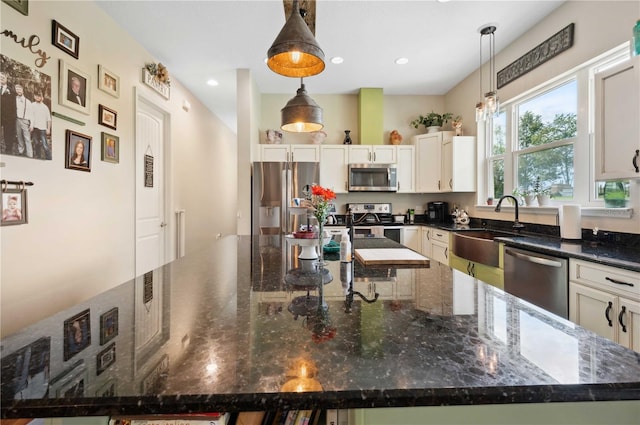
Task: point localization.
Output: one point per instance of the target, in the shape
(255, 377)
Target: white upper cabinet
(459, 164)
(289, 153)
(334, 161)
(406, 169)
(428, 161)
(617, 123)
(445, 163)
(372, 154)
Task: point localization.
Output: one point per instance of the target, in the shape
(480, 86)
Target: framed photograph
(64, 39)
(25, 372)
(108, 81)
(14, 206)
(36, 88)
(107, 117)
(71, 383)
(77, 334)
(110, 148)
(74, 88)
(105, 358)
(78, 151)
(21, 6)
(108, 325)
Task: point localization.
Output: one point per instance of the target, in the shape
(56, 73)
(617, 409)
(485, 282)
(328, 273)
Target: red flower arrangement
(320, 197)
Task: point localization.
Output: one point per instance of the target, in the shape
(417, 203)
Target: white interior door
(151, 224)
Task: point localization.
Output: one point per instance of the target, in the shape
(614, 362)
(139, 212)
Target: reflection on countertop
(221, 330)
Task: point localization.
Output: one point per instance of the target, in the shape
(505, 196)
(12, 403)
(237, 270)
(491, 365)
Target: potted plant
(543, 194)
(528, 196)
(432, 121)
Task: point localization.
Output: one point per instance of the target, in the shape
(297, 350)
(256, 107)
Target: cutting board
(390, 256)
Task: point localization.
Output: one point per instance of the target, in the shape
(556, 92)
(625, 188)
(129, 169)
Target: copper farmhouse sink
(478, 246)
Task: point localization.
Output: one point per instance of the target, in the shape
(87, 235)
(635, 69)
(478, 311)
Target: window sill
(553, 210)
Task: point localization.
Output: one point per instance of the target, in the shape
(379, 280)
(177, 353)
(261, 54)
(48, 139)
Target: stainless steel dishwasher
(540, 279)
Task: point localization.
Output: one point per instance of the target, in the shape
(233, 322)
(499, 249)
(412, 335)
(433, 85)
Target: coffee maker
(437, 212)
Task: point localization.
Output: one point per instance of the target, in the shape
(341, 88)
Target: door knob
(163, 224)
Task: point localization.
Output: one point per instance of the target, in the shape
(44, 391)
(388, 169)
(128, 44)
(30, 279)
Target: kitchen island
(222, 330)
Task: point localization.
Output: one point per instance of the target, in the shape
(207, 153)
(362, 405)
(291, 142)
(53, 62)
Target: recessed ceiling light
(402, 61)
(337, 60)
(212, 82)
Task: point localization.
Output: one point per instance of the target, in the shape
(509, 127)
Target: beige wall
(80, 237)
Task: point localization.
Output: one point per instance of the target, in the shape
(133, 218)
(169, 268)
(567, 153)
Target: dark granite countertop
(608, 252)
(220, 330)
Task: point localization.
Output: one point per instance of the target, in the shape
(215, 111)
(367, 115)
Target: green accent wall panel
(371, 116)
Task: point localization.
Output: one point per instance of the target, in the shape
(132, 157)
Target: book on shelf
(186, 419)
(332, 416)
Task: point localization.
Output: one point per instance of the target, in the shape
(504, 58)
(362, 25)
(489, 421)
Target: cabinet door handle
(622, 312)
(374, 157)
(428, 235)
(446, 253)
(635, 160)
(438, 184)
(473, 269)
(450, 183)
(468, 268)
(619, 282)
(606, 314)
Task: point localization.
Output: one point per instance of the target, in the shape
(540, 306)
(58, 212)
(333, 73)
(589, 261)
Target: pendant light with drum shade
(295, 52)
(301, 114)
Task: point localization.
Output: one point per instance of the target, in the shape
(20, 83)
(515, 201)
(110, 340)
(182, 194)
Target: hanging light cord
(481, 94)
(492, 61)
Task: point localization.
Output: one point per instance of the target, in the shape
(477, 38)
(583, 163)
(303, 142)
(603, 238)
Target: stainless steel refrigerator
(275, 185)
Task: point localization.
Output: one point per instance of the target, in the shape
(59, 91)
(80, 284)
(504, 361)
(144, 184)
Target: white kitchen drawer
(612, 279)
(440, 236)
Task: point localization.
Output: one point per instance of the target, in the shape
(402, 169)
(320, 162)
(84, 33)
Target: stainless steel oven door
(391, 232)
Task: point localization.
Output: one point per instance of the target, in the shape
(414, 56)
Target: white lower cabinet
(606, 300)
(435, 244)
(440, 246)
(411, 237)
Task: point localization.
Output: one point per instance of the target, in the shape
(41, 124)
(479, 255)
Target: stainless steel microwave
(373, 178)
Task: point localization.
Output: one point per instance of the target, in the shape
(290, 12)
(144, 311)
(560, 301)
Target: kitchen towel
(570, 222)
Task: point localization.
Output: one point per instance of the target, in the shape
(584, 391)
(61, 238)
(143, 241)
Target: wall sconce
(295, 52)
(301, 114)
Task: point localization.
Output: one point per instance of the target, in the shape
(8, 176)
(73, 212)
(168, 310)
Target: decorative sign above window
(551, 47)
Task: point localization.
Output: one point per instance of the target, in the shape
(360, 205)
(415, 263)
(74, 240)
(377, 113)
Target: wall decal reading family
(30, 44)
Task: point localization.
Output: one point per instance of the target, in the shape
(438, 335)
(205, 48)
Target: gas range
(369, 214)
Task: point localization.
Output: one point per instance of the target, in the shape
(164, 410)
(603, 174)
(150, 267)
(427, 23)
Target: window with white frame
(540, 141)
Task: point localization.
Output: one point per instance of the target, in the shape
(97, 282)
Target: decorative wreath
(159, 72)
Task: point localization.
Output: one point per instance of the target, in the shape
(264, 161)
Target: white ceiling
(202, 40)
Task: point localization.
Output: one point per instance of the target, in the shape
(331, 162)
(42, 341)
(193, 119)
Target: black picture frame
(73, 139)
(107, 117)
(64, 39)
(108, 325)
(105, 358)
(77, 334)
